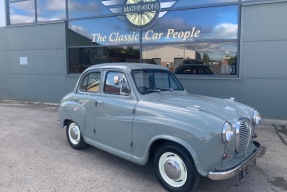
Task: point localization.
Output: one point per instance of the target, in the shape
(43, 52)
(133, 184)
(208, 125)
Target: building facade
(46, 44)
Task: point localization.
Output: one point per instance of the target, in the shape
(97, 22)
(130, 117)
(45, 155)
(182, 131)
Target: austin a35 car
(141, 112)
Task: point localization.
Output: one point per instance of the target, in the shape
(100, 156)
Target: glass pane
(49, 10)
(88, 8)
(94, 82)
(194, 24)
(116, 83)
(198, 59)
(161, 80)
(22, 12)
(82, 58)
(150, 81)
(185, 3)
(91, 83)
(111, 32)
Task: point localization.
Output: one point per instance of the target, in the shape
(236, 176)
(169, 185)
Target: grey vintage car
(141, 112)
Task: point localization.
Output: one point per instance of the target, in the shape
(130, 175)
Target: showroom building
(46, 44)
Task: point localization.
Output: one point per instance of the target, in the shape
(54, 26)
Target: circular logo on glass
(141, 14)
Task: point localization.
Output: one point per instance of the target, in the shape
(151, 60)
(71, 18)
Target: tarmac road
(35, 156)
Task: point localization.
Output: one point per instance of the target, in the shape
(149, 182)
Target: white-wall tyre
(74, 136)
(175, 169)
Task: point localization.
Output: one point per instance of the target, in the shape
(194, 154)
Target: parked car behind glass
(141, 112)
(193, 69)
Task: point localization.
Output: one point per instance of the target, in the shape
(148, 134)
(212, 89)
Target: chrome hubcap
(74, 133)
(172, 169)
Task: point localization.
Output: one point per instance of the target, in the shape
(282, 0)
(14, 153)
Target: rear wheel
(174, 169)
(74, 136)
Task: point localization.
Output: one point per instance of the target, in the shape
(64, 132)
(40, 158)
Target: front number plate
(247, 169)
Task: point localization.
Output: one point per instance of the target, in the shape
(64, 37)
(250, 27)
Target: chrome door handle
(98, 102)
(76, 99)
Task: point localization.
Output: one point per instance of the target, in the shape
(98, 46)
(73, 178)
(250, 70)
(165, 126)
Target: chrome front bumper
(235, 171)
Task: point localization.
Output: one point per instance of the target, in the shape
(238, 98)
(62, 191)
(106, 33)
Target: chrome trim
(256, 118)
(221, 175)
(243, 132)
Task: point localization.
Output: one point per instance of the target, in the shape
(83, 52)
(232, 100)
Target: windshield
(150, 80)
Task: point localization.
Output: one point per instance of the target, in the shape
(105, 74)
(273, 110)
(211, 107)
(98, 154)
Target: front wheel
(74, 136)
(174, 169)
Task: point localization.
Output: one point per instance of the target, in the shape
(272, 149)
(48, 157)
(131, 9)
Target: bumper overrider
(221, 175)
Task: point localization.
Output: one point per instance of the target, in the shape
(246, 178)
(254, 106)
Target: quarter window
(91, 83)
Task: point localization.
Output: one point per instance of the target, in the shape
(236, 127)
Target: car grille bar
(243, 133)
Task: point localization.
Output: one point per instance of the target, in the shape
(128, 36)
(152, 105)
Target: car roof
(125, 66)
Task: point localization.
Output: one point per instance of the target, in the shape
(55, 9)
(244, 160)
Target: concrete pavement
(35, 156)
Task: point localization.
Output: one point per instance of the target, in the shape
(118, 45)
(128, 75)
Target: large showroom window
(202, 34)
(209, 39)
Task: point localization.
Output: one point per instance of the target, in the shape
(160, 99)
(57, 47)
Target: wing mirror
(116, 80)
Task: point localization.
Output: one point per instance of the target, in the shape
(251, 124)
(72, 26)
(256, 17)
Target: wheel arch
(71, 111)
(156, 143)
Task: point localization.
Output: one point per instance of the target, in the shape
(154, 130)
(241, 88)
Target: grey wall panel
(40, 62)
(36, 88)
(264, 22)
(34, 37)
(264, 59)
(44, 78)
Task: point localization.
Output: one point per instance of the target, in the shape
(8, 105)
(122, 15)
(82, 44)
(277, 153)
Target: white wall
(2, 13)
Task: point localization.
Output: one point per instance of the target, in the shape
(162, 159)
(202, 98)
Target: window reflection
(49, 10)
(22, 12)
(87, 8)
(112, 31)
(194, 24)
(82, 58)
(199, 59)
(183, 3)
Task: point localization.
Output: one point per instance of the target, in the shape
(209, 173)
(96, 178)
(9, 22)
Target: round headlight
(256, 117)
(227, 132)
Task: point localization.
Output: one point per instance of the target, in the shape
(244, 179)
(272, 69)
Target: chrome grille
(243, 132)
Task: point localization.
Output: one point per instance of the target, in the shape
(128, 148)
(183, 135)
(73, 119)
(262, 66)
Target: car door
(87, 96)
(115, 112)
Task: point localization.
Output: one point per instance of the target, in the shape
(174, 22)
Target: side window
(91, 82)
(116, 83)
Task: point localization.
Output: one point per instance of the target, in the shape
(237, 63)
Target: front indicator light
(225, 155)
